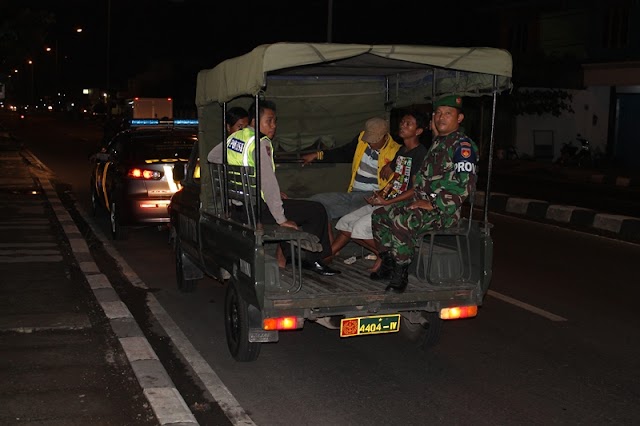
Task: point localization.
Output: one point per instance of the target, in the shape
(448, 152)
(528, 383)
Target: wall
(587, 104)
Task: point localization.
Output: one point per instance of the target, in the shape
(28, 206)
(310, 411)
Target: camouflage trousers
(396, 229)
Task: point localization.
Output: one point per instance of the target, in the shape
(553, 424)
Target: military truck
(324, 92)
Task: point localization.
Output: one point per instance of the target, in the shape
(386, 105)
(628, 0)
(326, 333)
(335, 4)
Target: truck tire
(236, 326)
(184, 285)
(426, 334)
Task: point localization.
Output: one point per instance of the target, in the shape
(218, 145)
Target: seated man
(444, 181)
(279, 209)
(408, 160)
(369, 152)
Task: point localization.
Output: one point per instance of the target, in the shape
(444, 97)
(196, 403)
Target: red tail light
(144, 174)
(457, 312)
(282, 323)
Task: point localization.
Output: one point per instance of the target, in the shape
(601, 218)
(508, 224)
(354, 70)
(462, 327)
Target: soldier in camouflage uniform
(445, 180)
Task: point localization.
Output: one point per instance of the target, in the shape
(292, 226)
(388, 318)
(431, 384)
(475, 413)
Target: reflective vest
(241, 151)
(241, 148)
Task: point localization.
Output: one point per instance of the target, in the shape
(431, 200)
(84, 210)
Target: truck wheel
(236, 325)
(426, 334)
(184, 285)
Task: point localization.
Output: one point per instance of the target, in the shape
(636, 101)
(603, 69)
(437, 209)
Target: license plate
(369, 325)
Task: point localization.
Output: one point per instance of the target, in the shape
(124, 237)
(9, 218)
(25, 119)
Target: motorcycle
(572, 155)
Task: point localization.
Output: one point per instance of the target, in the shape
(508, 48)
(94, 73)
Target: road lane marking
(166, 402)
(29, 259)
(526, 306)
(28, 252)
(201, 368)
(26, 245)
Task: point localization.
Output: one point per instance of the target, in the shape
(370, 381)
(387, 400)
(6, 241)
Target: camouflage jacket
(448, 174)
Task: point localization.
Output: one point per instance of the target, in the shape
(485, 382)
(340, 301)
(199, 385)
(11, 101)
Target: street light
(58, 60)
(33, 84)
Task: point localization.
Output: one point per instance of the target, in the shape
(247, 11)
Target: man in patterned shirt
(369, 152)
(444, 181)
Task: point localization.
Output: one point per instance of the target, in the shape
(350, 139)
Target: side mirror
(178, 172)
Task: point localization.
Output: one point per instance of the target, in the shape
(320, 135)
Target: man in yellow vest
(369, 152)
(292, 213)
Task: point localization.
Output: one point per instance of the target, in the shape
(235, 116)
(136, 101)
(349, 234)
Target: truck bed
(353, 289)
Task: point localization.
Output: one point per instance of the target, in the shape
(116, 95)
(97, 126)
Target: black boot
(399, 279)
(384, 272)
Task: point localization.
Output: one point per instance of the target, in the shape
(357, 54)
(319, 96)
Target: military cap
(450, 101)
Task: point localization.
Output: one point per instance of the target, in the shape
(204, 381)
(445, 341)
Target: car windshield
(169, 147)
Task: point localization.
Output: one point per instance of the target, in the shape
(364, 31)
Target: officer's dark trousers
(311, 217)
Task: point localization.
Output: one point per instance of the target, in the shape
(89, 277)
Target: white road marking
(29, 259)
(526, 306)
(25, 227)
(28, 252)
(26, 245)
(212, 382)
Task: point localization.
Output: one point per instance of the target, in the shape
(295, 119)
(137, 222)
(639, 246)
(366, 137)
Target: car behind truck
(323, 93)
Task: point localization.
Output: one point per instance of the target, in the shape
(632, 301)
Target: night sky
(164, 43)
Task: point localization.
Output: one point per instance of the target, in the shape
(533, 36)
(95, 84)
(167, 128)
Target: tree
(540, 102)
(23, 31)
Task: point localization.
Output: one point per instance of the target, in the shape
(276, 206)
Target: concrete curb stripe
(625, 226)
(98, 281)
(78, 245)
(216, 388)
(89, 267)
(565, 214)
(520, 205)
(116, 310)
(232, 409)
(169, 406)
(609, 222)
(137, 348)
(166, 402)
(70, 229)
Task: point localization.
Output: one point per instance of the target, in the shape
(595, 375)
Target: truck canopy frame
(325, 91)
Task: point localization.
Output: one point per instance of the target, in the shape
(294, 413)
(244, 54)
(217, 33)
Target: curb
(615, 180)
(624, 227)
(163, 397)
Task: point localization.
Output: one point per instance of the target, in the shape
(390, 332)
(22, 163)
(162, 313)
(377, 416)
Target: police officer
(444, 181)
(286, 212)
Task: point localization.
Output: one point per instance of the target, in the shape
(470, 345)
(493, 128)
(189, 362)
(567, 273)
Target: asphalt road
(555, 342)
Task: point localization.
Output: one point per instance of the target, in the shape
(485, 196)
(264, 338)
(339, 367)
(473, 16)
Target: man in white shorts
(356, 225)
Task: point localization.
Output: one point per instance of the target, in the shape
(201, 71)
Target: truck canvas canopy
(324, 92)
(471, 68)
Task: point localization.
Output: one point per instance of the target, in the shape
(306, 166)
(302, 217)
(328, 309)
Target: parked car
(132, 176)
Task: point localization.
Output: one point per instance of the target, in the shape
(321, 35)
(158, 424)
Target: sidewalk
(62, 363)
(619, 226)
(544, 170)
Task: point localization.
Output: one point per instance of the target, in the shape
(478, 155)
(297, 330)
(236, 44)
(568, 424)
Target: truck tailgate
(354, 288)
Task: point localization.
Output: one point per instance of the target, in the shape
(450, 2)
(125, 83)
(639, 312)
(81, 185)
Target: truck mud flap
(258, 335)
(189, 269)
